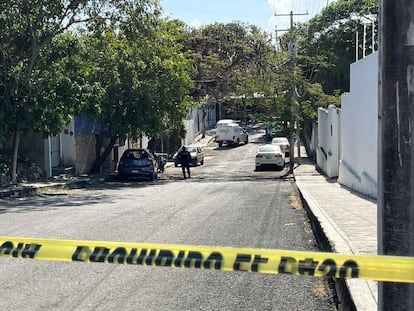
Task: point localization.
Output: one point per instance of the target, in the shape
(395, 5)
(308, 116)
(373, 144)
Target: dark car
(138, 163)
(196, 153)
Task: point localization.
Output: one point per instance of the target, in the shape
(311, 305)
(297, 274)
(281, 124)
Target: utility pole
(277, 38)
(292, 49)
(396, 145)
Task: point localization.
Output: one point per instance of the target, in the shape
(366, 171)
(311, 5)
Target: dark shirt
(184, 157)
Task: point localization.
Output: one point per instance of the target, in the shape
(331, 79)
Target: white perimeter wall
(359, 122)
(194, 122)
(327, 151)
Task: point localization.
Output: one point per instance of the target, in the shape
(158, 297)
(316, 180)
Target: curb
(343, 297)
(27, 191)
(351, 294)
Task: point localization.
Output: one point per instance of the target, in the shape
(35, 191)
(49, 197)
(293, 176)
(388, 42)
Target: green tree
(121, 65)
(27, 29)
(328, 45)
(326, 48)
(143, 77)
(238, 65)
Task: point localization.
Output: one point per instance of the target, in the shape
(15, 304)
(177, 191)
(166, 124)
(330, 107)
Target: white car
(283, 142)
(270, 156)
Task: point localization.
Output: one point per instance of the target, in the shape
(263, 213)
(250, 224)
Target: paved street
(225, 203)
(326, 199)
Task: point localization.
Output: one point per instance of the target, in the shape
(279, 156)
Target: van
(230, 133)
(225, 122)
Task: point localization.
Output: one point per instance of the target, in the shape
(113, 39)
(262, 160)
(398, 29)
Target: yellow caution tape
(318, 264)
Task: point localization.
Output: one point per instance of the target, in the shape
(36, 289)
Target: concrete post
(396, 145)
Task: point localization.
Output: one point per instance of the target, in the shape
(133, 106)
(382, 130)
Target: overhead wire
(321, 6)
(232, 14)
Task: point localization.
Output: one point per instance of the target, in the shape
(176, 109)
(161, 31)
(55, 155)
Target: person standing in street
(185, 159)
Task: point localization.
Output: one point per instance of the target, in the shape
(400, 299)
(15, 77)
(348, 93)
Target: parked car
(283, 142)
(270, 156)
(197, 156)
(138, 163)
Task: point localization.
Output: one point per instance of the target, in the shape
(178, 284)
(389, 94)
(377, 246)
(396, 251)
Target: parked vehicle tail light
(149, 162)
(259, 156)
(278, 155)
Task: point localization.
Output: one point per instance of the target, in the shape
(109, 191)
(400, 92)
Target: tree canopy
(327, 43)
(142, 77)
(238, 65)
(27, 29)
(116, 61)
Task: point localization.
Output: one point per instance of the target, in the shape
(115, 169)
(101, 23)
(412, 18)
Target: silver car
(196, 153)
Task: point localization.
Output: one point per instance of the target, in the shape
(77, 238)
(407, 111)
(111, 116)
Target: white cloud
(196, 24)
(280, 6)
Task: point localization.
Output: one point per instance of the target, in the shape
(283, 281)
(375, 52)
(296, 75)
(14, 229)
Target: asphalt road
(225, 203)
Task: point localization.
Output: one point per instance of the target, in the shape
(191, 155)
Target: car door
(244, 135)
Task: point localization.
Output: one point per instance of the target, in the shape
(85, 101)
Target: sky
(262, 13)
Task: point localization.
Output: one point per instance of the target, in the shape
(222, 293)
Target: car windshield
(269, 149)
(136, 154)
(280, 141)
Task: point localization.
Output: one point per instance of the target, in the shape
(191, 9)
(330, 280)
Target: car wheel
(202, 162)
(220, 143)
(175, 164)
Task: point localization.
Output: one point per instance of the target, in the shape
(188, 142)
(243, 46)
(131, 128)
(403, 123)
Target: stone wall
(85, 153)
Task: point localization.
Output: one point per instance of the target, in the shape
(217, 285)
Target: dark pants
(185, 167)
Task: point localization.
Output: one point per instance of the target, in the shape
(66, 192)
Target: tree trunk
(16, 142)
(152, 145)
(100, 158)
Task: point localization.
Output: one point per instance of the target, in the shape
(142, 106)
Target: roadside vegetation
(122, 64)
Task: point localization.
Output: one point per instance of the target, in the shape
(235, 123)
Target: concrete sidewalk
(34, 188)
(347, 222)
